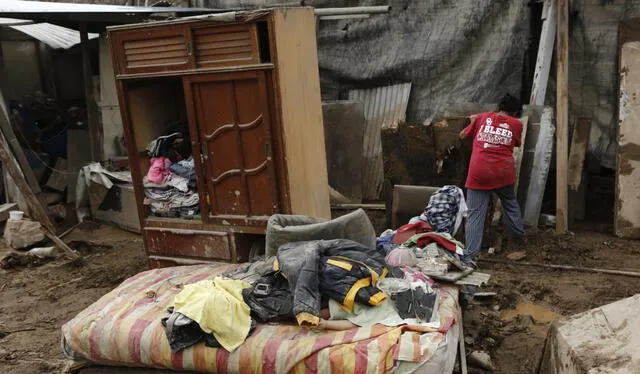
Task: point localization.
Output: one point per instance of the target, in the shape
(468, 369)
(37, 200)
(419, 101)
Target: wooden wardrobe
(249, 89)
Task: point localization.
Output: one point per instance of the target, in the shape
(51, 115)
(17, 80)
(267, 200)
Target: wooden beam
(539, 169)
(34, 205)
(545, 53)
(14, 146)
(68, 252)
(579, 143)
(87, 77)
(562, 116)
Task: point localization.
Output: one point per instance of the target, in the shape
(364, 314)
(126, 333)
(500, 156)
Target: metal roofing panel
(56, 37)
(97, 16)
(13, 22)
(383, 107)
(21, 6)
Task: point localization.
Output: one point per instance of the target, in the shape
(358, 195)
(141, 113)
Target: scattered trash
(15, 215)
(64, 284)
(86, 247)
(14, 260)
(4, 334)
(42, 252)
(481, 360)
(547, 220)
(483, 297)
(516, 256)
(393, 286)
(491, 250)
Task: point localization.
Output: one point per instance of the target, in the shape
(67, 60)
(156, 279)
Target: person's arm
(469, 130)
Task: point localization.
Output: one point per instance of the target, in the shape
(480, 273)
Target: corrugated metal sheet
(14, 22)
(383, 107)
(21, 6)
(56, 37)
(97, 16)
(475, 279)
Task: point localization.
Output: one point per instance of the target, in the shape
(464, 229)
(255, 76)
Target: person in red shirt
(492, 169)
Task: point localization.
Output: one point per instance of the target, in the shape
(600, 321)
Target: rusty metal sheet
(211, 245)
(384, 107)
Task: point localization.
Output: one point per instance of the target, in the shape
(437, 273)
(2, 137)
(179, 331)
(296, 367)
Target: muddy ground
(40, 300)
(35, 302)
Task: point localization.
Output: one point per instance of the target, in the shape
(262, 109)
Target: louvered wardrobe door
(225, 46)
(155, 49)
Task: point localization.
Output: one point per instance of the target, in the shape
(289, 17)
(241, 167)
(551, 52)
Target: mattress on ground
(123, 328)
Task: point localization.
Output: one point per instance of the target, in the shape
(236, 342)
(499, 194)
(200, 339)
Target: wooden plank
(533, 112)
(518, 152)
(68, 252)
(579, 143)
(562, 116)
(34, 205)
(545, 53)
(578, 200)
(8, 161)
(540, 169)
(5, 209)
(92, 114)
(359, 206)
(298, 84)
(16, 149)
(627, 205)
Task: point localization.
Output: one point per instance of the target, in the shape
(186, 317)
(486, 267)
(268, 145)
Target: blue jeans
(478, 202)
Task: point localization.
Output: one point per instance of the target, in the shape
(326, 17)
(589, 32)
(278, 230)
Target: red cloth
(494, 137)
(404, 232)
(427, 238)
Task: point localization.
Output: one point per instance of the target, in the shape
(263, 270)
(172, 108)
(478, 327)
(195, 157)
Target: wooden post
(87, 77)
(562, 116)
(16, 149)
(34, 205)
(545, 53)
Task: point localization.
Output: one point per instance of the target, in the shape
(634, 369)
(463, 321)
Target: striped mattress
(123, 328)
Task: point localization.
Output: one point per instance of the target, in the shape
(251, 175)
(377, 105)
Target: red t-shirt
(494, 136)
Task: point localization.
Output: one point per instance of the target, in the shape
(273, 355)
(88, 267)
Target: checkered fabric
(442, 209)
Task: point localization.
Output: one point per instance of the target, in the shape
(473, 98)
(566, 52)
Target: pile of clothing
(427, 242)
(170, 183)
(333, 284)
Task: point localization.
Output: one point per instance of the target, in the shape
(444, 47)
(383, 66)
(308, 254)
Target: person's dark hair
(510, 105)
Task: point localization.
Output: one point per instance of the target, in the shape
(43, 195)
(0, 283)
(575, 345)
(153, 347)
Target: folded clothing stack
(170, 184)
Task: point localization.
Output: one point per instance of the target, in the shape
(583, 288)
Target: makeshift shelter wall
(20, 74)
(593, 76)
(451, 51)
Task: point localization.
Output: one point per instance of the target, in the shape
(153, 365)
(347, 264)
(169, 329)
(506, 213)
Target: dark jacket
(341, 269)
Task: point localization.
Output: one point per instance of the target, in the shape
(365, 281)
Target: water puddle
(539, 313)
